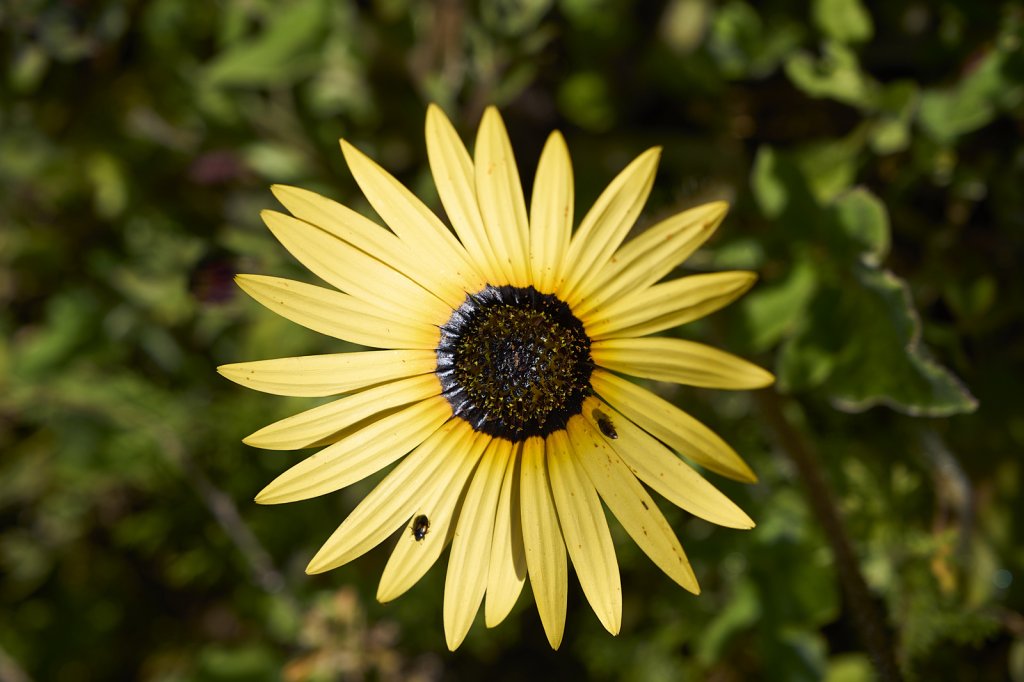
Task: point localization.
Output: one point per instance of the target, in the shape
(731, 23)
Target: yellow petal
(331, 422)
(366, 451)
(551, 214)
(586, 533)
(542, 539)
(417, 226)
(672, 426)
(679, 361)
(606, 225)
(647, 258)
(336, 314)
(412, 558)
(418, 477)
(471, 545)
(452, 169)
(630, 503)
(507, 572)
(500, 194)
(365, 235)
(667, 305)
(320, 375)
(661, 469)
(342, 265)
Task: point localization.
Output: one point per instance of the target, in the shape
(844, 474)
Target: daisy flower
(497, 376)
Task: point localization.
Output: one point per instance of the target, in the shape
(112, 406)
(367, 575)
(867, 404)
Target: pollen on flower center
(514, 362)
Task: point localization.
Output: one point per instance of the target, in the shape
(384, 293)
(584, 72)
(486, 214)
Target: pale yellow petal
(344, 266)
(452, 168)
(365, 235)
(336, 314)
(330, 423)
(365, 452)
(667, 305)
(679, 361)
(551, 214)
(471, 545)
(507, 572)
(500, 194)
(672, 426)
(319, 375)
(649, 256)
(662, 470)
(417, 478)
(542, 539)
(630, 502)
(412, 558)
(417, 226)
(606, 225)
(585, 528)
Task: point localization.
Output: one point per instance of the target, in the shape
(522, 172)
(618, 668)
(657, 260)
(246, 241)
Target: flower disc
(514, 362)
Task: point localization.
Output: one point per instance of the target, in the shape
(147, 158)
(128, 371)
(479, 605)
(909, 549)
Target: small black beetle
(420, 527)
(604, 422)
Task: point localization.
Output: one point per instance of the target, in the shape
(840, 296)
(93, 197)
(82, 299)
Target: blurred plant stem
(869, 620)
(129, 416)
(220, 506)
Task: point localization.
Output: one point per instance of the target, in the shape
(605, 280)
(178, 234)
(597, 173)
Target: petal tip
(348, 149)
(226, 370)
(252, 440)
(718, 209)
(765, 379)
(269, 496)
(317, 565)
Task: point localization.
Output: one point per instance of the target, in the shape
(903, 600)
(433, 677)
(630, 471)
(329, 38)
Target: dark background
(872, 154)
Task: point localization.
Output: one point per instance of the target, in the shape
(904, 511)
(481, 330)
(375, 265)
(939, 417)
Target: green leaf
(864, 219)
(902, 374)
(830, 167)
(796, 655)
(514, 17)
(869, 333)
(276, 162)
(844, 20)
(585, 100)
(780, 188)
(743, 45)
(890, 131)
(807, 359)
(836, 75)
(286, 50)
(741, 611)
(772, 312)
(850, 668)
(71, 320)
(769, 187)
(684, 24)
(995, 84)
(109, 185)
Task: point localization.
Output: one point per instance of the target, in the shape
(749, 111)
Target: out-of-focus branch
(223, 509)
(868, 618)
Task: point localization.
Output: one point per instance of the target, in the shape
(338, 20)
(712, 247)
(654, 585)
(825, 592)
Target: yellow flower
(497, 378)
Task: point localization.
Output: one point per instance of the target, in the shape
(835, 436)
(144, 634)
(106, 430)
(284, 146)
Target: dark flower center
(514, 362)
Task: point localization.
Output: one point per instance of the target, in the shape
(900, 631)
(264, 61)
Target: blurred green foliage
(873, 156)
